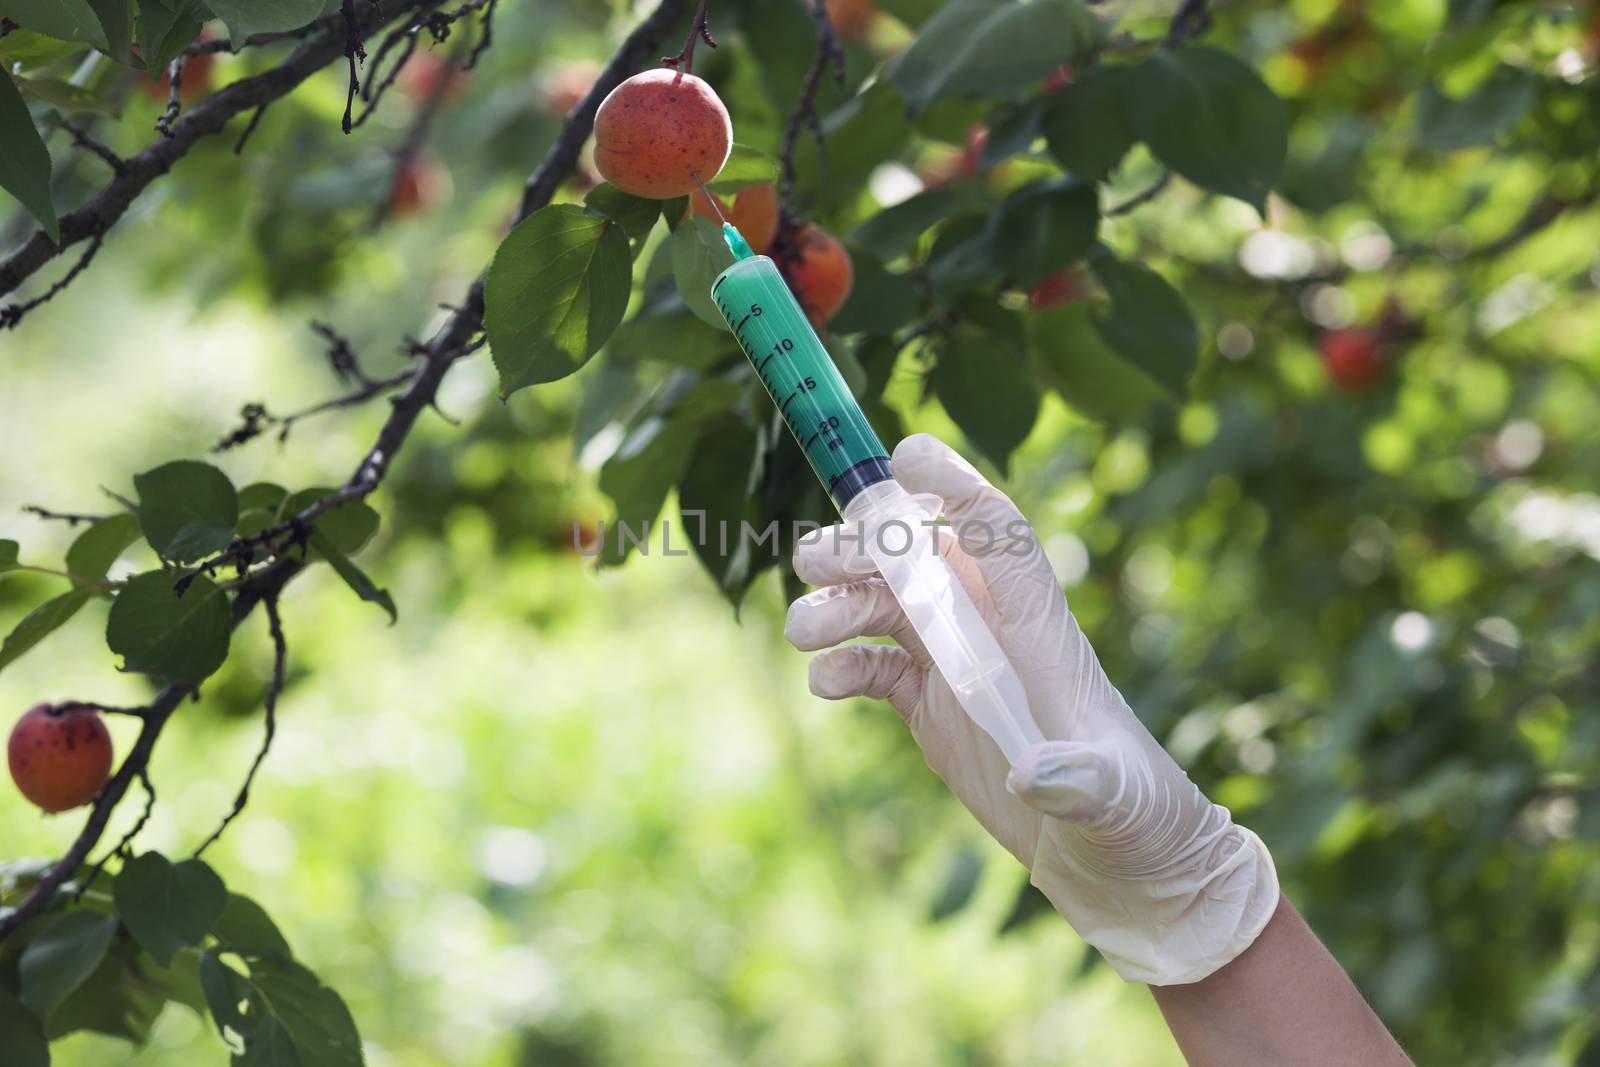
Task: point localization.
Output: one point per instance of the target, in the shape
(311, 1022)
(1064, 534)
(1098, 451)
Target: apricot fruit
(60, 755)
(819, 272)
(567, 84)
(754, 213)
(660, 130)
(1354, 356)
(852, 18)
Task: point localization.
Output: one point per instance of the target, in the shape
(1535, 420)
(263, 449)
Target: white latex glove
(1129, 851)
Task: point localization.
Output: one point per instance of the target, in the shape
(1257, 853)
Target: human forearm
(1284, 1001)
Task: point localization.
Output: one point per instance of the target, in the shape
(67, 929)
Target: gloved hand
(1129, 851)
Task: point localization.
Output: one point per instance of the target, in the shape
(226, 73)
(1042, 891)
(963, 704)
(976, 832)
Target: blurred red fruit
(426, 74)
(567, 84)
(194, 83)
(1062, 287)
(1059, 79)
(1354, 356)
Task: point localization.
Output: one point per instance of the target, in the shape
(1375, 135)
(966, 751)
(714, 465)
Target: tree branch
(134, 766)
(453, 340)
(96, 217)
(805, 114)
(1192, 18)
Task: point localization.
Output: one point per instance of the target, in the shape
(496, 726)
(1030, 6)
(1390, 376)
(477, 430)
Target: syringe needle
(710, 199)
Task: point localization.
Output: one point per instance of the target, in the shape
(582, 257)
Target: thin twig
(174, 95)
(354, 51)
(12, 314)
(280, 653)
(134, 764)
(1143, 197)
(698, 31)
(450, 343)
(250, 128)
(1192, 18)
(211, 116)
(805, 114)
(69, 517)
(485, 39)
(121, 848)
(82, 139)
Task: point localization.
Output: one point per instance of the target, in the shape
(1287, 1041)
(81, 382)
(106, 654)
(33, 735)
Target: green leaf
(246, 928)
(227, 992)
(715, 496)
(1085, 124)
(671, 334)
(66, 20)
(1012, 131)
(315, 1016)
(745, 167)
(558, 286)
(634, 214)
(983, 383)
(960, 882)
(1043, 227)
(991, 47)
(290, 1018)
(167, 906)
(1088, 373)
(1149, 325)
(187, 509)
(26, 50)
(20, 1034)
(40, 623)
(65, 950)
(262, 496)
(156, 631)
(1209, 117)
(245, 17)
(880, 301)
(8, 555)
(698, 256)
(862, 133)
(119, 998)
(894, 230)
(166, 27)
(97, 548)
(354, 576)
(1033, 231)
(25, 163)
(1445, 124)
(116, 19)
(637, 478)
(65, 97)
(347, 527)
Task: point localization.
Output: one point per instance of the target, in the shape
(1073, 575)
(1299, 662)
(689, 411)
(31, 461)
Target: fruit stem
(698, 31)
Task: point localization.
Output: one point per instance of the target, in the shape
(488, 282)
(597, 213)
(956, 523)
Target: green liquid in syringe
(800, 376)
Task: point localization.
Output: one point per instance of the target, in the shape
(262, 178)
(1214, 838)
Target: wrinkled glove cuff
(1168, 932)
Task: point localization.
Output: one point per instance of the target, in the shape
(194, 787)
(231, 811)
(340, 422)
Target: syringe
(891, 527)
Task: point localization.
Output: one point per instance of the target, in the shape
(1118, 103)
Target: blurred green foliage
(558, 817)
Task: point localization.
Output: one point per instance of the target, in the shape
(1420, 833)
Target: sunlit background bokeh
(557, 817)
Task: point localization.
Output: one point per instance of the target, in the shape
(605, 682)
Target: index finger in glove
(988, 527)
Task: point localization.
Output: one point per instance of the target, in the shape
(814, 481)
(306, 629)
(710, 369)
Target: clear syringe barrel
(800, 376)
(887, 525)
